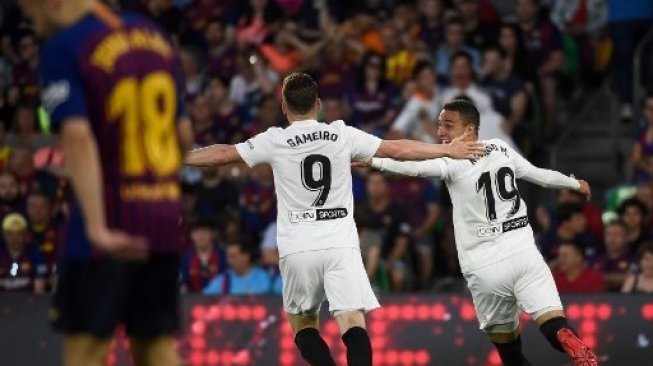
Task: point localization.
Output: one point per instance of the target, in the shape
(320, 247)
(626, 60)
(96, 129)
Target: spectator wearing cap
(633, 213)
(204, 260)
(21, 268)
(642, 280)
(573, 275)
(243, 277)
(615, 262)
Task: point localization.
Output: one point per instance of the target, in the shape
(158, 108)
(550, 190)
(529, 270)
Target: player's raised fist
(584, 188)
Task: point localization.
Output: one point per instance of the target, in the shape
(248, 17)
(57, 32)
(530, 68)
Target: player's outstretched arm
(416, 150)
(547, 178)
(217, 154)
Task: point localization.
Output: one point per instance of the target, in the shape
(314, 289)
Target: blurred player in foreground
(317, 236)
(110, 85)
(497, 252)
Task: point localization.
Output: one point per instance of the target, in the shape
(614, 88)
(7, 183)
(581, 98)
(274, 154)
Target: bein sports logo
(488, 231)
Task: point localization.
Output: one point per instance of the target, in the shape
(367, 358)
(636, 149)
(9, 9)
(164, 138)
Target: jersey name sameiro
(311, 162)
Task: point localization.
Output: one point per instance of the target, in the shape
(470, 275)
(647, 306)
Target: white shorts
(500, 290)
(339, 273)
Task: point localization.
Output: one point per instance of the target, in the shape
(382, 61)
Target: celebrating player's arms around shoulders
(460, 148)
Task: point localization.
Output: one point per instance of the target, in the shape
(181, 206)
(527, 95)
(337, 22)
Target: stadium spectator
(384, 235)
(508, 92)
(573, 275)
(633, 213)
(257, 201)
(478, 33)
(10, 200)
(416, 119)
(268, 247)
(25, 73)
(22, 166)
(614, 263)
(628, 21)
(253, 80)
(25, 129)
(593, 214)
(421, 206)
(242, 277)
(518, 59)
(202, 14)
(221, 53)
(193, 71)
(204, 125)
(544, 44)
(22, 268)
(42, 226)
(267, 115)
(454, 42)
(432, 25)
(462, 77)
(219, 195)
(400, 60)
(640, 165)
(204, 260)
(571, 226)
(641, 281)
(227, 124)
(374, 102)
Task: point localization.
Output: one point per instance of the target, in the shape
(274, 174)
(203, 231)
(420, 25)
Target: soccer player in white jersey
(316, 233)
(497, 252)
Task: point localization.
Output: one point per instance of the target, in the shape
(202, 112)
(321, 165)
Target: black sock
(313, 348)
(550, 330)
(511, 354)
(359, 347)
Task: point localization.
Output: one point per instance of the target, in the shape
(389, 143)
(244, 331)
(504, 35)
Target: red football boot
(579, 352)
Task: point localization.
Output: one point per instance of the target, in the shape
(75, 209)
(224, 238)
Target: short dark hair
(454, 21)
(299, 92)
(498, 49)
(205, 223)
(421, 66)
(467, 110)
(633, 202)
(645, 247)
(566, 212)
(462, 54)
(619, 223)
(575, 246)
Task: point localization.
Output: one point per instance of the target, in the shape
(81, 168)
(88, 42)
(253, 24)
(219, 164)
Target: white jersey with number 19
(311, 162)
(490, 218)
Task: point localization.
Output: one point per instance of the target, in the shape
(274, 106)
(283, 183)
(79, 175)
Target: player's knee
(348, 319)
(85, 350)
(507, 337)
(160, 351)
(298, 322)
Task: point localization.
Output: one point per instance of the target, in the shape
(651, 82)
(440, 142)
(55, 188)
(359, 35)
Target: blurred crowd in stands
(385, 66)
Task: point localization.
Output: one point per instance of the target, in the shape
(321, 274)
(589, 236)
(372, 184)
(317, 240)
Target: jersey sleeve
(543, 177)
(362, 144)
(62, 84)
(257, 150)
(406, 117)
(426, 168)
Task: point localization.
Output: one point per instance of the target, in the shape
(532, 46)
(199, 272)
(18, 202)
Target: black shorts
(93, 297)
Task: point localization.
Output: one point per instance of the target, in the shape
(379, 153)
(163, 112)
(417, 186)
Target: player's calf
(564, 338)
(510, 348)
(355, 337)
(313, 348)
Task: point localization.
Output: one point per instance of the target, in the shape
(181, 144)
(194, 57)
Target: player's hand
(361, 164)
(584, 189)
(120, 245)
(461, 149)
